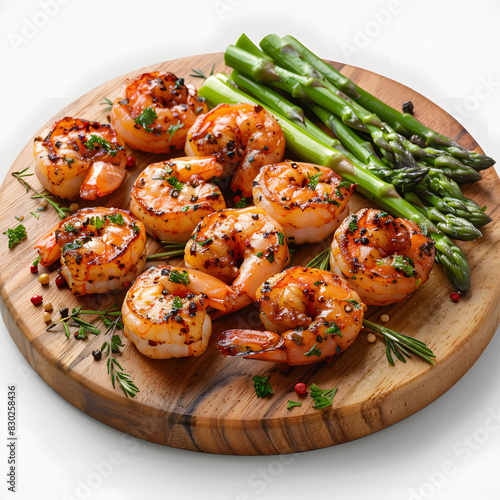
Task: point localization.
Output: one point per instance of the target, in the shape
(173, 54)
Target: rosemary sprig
(198, 73)
(106, 102)
(173, 249)
(400, 344)
(117, 373)
(321, 261)
(61, 211)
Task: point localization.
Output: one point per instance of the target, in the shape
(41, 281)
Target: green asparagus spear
(403, 123)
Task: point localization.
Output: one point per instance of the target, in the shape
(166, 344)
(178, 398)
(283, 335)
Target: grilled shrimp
(308, 201)
(171, 197)
(242, 247)
(76, 157)
(310, 315)
(100, 249)
(382, 258)
(154, 111)
(165, 311)
(243, 137)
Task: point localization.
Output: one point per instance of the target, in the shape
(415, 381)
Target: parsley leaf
(116, 219)
(16, 235)
(100, 141)
(37, 261)
(146, 118)
(354, 303)
(333, 328)
(242, 203)
(205, 243)
(401, 263)
(353, 223)
(292, 404)
(322, 397)
(173, 129)
(262, 386)
(313, 351)
(177, 304)
(181, 277)
(313, 180)
(281, 238)
(175, 183)
(97, 222)
(270, 256)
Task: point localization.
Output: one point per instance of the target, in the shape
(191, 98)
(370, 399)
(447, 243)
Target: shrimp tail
(102, 179)
(254, 344)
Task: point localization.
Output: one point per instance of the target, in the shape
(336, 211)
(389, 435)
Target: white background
(53, 52)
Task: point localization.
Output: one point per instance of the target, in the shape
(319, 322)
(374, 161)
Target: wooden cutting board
(208, 403)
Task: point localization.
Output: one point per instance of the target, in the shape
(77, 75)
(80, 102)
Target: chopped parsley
(333, 328)
(37, 261)
(116, 219)
(185, 209)
(354, 303)
(270, 256)
(401, 263)
(146, 118)
(180, 277)
(281, 238)
(16, 235)
(97, 222)
(175, 183)
(205, 242)
(313, 180)
(353, 223)
(313, 351)
(322, 397)
(259, 254)
(177, 303)
(100, 141)
(262, 386)
(292, 404)
(241, 203)
(173, 129)
(69, 228)
(74, 245)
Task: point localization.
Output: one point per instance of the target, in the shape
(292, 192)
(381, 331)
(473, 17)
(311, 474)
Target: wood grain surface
(208, 403)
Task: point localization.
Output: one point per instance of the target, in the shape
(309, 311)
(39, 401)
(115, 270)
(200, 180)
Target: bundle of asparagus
(416, 179)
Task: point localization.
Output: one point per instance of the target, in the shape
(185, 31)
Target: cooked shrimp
(382, 258)
(154, 111)
(100, 249)
(171, 197)
(165, 311)
(243, 247)
(308, 201)
(80, 158)
(242, 137)
(311, 315)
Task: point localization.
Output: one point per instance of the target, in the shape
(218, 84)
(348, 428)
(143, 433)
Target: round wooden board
(208, 403)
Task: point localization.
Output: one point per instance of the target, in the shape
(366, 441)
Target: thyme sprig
(106, 102)
(321, 261)
(61, 211)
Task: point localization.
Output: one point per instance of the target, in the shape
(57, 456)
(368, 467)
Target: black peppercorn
(64, 312)
(97, 354)
(408, 107)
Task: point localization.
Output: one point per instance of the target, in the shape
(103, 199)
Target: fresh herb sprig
(173, 249)
(321, 261)
(322, 397)
(198, 73)
(106, 102)
(401, 345)
(61, 211)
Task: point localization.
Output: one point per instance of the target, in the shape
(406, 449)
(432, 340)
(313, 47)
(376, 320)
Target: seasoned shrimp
(80, 158)
(243, 247)
(165, 311)
(309, 201)
(310, 314)
(171, 197)
(382, 258)
(242, 137)
(100, 249)
(154, 111)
